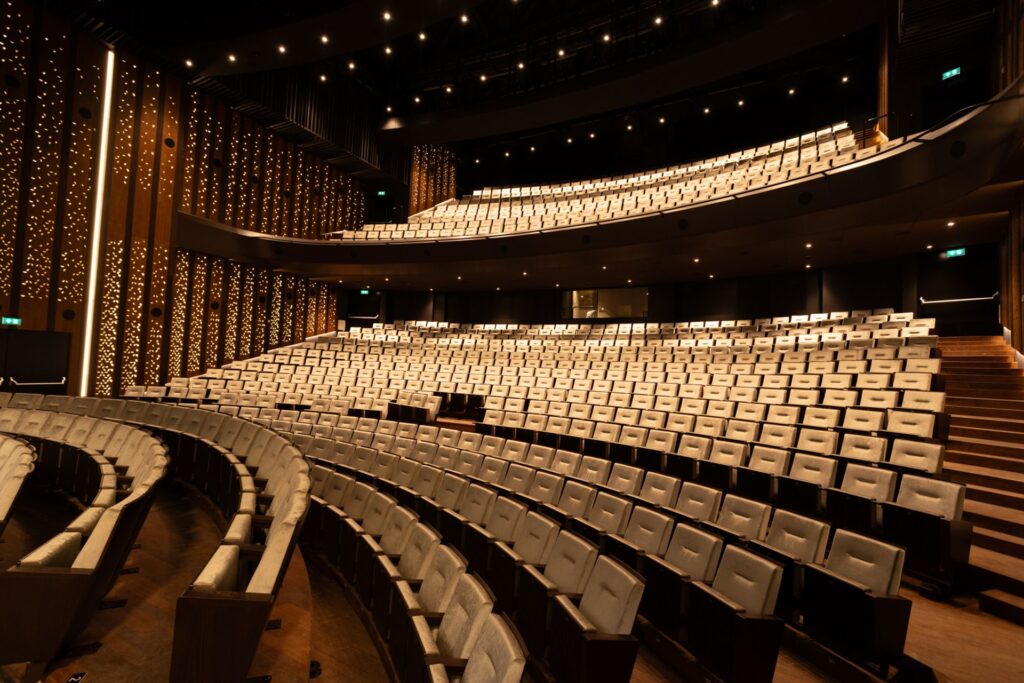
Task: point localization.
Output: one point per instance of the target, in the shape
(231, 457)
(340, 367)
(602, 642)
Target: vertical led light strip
(97, 228)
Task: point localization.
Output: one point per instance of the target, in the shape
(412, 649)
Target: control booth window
(590, 304)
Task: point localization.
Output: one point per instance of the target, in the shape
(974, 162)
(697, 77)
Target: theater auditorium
(501, 341)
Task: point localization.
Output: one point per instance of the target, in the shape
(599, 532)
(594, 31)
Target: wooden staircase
(985, 402)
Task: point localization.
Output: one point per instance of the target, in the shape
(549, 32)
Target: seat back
(648, 530)
(464, 618)
(498, 656)
(943, 498)
(572, 559)
(865, 561)
(869, 482)
(694, 551)
(813, 469)
(443, 574)
(611, 597)
(536, 538)
(745, 517)
(419, 550)
(917, 455)
(699, 502)
(800, 537)
(750, 581)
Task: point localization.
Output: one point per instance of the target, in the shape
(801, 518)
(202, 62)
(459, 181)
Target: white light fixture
(387, 15)
(592, 136)
(739, 103)
(448, 89)
(568, 140)
(524, 273)
(323, 78)
(416, 99)
(714, 3)
(807, 266)
(711, 276)
(928, 247)
(388, 108)
(607, 37)
(232, 58)
(808, 245)
(557, 285)
(696, 260)
(97, 227)
(351, 66)
(629, 126)
(507, 154)
(387, 279)
(475, 161)
(387, 49)
(792, 91)
(458, 277)
(561, 52)
(423, 36)
(661, 119)
(189, 64)
(657, 21)
(629, 281)
(532, 148)
(846, 79)
(282, 49)
(707, 110)
(521, 66)
(483, 77)
(324, 39)
(497, 289)
(950, 224)
(604, 267)
(464, 18)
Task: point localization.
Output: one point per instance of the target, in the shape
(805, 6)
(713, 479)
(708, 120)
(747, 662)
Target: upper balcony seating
(503, 211)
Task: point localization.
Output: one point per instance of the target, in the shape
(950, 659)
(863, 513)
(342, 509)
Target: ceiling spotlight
(351, 66)
(387, 49)
(707, 110)
(423, 36)
(696, 260)
(416, 99)
(711, 276)
(561, 52)
(950, 224)
(846, 79)
(569, 140)
(458, 277)
(388, 108)
(431, 289)
(792, 91)
(189, 64)
(629, 282)
(507, 154)
(557, 285)
(739, 103)
(387, 279)
(928, 247)
(604, 267)
(282, 49)
(521, 66)
(524, 273)
(807, 266)
(323, 78)
(714, 3)
(661, 119)
(324, 39)
(629, 126)
(483, 77)
(591, 136)
(475, 161)
(464, 18)
(232, 58)
(448, 89)
(808, 245)
(387, 15)
(607, 37)
(532, 148)
(657, 21)
(497, 289)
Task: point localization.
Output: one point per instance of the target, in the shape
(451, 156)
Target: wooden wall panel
(431, 176)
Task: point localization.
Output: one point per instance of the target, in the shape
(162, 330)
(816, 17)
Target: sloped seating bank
(17, 459)
(50, 595)
(256, 479)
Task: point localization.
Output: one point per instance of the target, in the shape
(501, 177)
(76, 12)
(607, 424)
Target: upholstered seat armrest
(571, 610)
(531, 572)
(59, 551)
(221, 572)
(704, 588)
(240, 531)
(838, 578)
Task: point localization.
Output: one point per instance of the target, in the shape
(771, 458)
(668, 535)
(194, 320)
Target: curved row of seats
(17, 460)
(52, 592)
(629, 527)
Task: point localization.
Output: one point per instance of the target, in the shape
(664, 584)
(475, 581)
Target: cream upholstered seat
(430, 598)
(742, 518)
(533, 544)
(647, 533)
(497, 657)
(916, 455)
(592, 640)
(503, 524)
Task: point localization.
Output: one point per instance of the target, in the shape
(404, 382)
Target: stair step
(995, 462)
(987, 443)
(986, 477)
(966, 408)
(994, 370)
(996, 403)
(1005, 544)
(988, 393)
(993, 569)
(995, 518)
(994, 495)
(1009, 427)
(1003, 605)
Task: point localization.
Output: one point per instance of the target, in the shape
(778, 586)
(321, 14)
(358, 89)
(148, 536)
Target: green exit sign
(946, 75)
(364, 291)
(382, 193)
(14, 322)
(952, 253)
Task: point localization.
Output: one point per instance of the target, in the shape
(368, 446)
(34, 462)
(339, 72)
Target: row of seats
(111, 469)
(613, 522)
(17, 459)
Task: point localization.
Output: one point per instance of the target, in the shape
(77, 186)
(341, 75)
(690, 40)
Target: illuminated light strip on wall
(97, 228)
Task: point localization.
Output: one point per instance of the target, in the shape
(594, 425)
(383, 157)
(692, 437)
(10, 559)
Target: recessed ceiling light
(739, 103)
(483, 77)
(387, 15)
(475, 161)
(431, 289)
(232, 58)
(507, 154)
(950, 224)
(714, 3)
(607, 37)
(464, 18)
(351, 66)
(569, 140)
(808, 245)
(696, 260)
(792, 91)
(423, 36)
(388, 108)
(711, 276)
(807, 266)
(524, 273)
(707, 110)
(498, 289)
(324, 39)
(521, 66)
(189, 64)
(629, 281)
(661, 119)
(416, 99)
(846, 79)
(657, 21)
(387, 279)
(928, 247)
(532, 148)
(561, 52)
(458, 277)
(323, 78)
(629, 126)
(387, 49)
(448, 89)
(282, 49)
(604, 267)
(592, 136)
(557, 285)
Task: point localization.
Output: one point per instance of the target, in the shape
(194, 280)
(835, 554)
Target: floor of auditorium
(180, 534)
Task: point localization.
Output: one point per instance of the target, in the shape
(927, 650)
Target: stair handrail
(960, 301)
